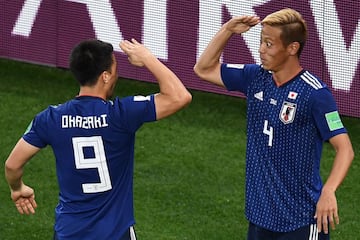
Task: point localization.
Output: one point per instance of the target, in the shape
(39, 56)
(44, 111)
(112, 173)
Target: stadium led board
(44, 31)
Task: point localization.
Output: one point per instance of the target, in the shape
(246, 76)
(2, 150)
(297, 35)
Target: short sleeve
(237, 77)
(138, 110)
(35, 132)
(326, 115)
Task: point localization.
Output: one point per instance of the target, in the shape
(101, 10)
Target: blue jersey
(93, 143)
(286, 128)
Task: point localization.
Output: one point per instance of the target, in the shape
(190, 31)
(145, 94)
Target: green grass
(189, 168)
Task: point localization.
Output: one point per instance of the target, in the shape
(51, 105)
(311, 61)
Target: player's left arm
(173, 95)
(327, 210)
(22, 195)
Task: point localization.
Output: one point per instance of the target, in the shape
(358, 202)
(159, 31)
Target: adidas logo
(259, 95)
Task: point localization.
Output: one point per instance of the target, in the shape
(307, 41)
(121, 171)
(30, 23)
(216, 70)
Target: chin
(265, 67)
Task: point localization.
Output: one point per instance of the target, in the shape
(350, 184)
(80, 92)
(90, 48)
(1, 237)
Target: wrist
(328, 189)
(227, 30)
(16, 186)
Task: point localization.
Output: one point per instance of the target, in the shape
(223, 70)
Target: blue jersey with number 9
(93, 143)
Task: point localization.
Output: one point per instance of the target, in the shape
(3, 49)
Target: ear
(293, 48)
(105, 76)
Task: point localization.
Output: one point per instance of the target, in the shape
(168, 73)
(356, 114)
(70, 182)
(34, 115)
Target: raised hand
(241, 24)
(136, 52)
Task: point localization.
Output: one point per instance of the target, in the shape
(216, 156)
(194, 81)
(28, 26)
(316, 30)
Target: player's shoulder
(311, 80)
(51, 109)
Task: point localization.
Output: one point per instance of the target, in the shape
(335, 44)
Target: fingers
(133, 40)
(127, 45)
(136, 52)
(325, 225)
(323, 221)
(241, 24)
(251, 20)
(26, 205)
(333, 219)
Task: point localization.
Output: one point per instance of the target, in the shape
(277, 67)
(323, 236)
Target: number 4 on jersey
(268, 130)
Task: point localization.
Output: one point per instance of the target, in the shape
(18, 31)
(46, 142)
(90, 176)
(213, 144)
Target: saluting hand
(136, 52)
(241, 24)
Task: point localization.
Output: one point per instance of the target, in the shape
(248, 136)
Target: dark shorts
(308, 232)
(128, 235)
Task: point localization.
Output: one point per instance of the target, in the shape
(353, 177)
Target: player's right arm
(173, 95)
(208, 66)
(22, 195)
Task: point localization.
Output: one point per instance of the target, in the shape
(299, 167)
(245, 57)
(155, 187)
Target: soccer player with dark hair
(290, 114)
(93, 138)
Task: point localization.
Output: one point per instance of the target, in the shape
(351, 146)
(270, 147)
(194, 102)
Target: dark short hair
(89, 59)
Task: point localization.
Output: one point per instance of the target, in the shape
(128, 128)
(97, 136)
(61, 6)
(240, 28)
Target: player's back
(93, 142)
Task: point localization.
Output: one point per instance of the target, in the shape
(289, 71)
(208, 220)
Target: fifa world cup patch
(287, 113)
(333, 120)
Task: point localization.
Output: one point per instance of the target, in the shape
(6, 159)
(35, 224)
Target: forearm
(339, 170)
(169, 83)
(342, 162)
(210, 58)
(14, 165)
(14, 177)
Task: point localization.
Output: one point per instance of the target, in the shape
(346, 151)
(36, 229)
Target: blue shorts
(307, 232)
(128, 235)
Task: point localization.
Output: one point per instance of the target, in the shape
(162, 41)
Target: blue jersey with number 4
(286, 128)
(93, 142)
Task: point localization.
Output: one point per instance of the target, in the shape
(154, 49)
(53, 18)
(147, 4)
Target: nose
(261, 48)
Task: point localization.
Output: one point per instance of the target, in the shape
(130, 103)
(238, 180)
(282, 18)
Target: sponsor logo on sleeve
(333, 120)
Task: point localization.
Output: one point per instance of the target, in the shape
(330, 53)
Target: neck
(286, 74)
(92, 92)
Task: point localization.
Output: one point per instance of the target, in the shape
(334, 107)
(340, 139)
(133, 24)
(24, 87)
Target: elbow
(198, 71)
(185, 99)
(188, 99)
(12, 171)
(182, 100)
(209, 73)
(351, 154)
(11, 166)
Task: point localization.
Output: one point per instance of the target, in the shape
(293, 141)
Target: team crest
(287, 113)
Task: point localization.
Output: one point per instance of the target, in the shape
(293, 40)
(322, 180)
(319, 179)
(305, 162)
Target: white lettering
(155, 27)
(64, 121)
(89, 122)
(72, 121)
(104, 21)
(26, 18)
(210, 20)
(97, 122)
(342, 62)
(104, 123)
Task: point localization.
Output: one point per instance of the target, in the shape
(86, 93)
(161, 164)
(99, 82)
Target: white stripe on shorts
(132, 233)
(314, 235)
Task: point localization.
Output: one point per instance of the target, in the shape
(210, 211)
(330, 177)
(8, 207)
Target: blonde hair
(292, 24)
